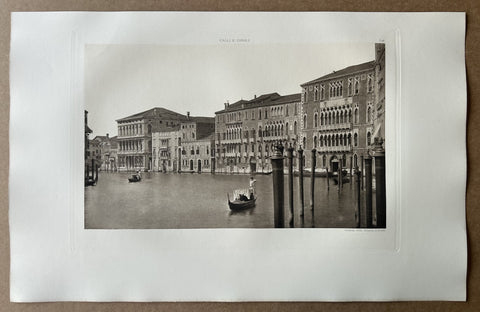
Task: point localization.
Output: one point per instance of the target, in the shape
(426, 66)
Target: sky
(121, 80)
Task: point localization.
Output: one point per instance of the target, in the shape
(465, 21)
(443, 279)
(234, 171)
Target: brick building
(247, 131)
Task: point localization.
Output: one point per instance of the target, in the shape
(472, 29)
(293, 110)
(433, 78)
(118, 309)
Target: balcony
(339, 126)
(339, 148)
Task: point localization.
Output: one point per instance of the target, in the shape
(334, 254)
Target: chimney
(188, 115)
(254, 96)
(107, 135)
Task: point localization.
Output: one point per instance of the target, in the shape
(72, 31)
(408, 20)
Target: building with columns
(337, 120)
(247, 131)
(135, 136)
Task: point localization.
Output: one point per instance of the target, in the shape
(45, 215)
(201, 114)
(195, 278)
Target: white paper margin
(53, 258)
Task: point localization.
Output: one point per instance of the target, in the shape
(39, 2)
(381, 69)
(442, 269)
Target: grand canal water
(187, 201)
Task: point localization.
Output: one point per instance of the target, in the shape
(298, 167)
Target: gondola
(241, 204)
(135, 178)
(344, 180)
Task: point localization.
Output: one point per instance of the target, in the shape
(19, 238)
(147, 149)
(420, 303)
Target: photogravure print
(234, 136)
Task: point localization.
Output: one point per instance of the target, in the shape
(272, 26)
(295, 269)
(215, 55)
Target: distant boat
(344, 180)
(135, 178)
(241, 202)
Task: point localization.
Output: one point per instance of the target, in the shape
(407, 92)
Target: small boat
(240, 204)
(90, 182)
(344, 180)
(135, 178)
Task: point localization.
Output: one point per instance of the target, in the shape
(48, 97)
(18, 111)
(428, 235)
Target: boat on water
(241, 201)
(135, 178)
(344, 180)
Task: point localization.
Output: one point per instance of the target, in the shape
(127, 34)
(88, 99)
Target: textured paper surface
(428, 262)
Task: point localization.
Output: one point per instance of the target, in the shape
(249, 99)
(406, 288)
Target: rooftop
(345, 71)
(154, 112)
(262, 100)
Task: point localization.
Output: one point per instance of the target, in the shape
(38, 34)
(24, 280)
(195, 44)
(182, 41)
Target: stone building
(379, 119)
(337, 120)
(108, 152)
(197, 152)
(247, 131)
(165, 150)
(135, 136)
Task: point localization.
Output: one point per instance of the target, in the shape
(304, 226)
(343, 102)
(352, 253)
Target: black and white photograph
(235, 135)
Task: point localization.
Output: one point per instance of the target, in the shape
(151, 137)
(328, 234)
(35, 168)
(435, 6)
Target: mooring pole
(312, 180)
(340, 176)
(300, 180)
(368, 194)
(380, 198)
(96, 173)
(357, 211)
(290, 182)
(351, 167)
(278, 196)
(328, 179)
(361, 177)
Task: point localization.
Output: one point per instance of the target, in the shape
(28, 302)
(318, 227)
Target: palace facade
(189, 148)
(247, 131)
(135, 136)
(337, 120)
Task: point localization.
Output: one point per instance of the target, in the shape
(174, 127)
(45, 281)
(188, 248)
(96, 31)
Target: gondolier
(251, 189)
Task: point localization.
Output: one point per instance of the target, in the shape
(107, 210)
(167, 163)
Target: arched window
(355, 162)
(304, 142)
(369, 114)
(286, 128)
(314, 142)
(357, 117)
(369, 138)
(304, 121)
(357, 86)
(295, 128)
(286, 110)
(355, 139)
(149, 129)
(349, 139)
(322, 119)
(315, 120)
(336, 117)
(324, 160)
(336, 140)
(321, 140)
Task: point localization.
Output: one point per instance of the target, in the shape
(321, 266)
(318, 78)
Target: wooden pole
(300, 180)
(328, 179)
(368, 194)
(278, 196)
(357, 212)
(361, 177)
(380, 196)
(340, 175)
(290, 183)
(312, 180)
